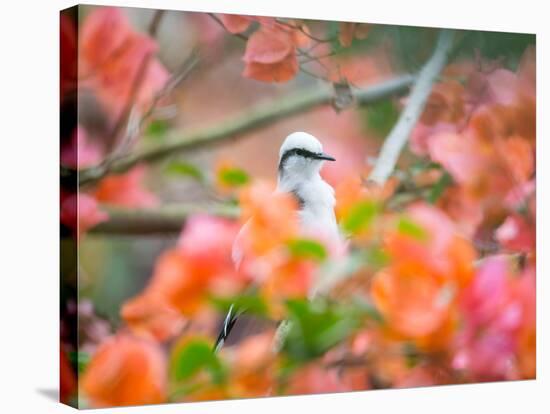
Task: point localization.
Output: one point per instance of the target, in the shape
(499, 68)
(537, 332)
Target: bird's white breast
(317, 206)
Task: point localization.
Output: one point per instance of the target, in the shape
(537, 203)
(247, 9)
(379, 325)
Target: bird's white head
(301, 155)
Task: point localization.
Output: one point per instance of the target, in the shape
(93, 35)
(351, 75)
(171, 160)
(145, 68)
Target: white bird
(300, 160)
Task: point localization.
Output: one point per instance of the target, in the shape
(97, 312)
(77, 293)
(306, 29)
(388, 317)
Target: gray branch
(257, 117)
(168, 219)
(420, 91)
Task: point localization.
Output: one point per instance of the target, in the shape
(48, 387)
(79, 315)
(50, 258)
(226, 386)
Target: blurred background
(199, 76)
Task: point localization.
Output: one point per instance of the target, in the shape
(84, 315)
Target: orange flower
(408, 296)
(445, 104)
(184, 277)
(519, 157)
(430, 262)
(150, 316)
(272, 219)
(284, 279)
(314, 378)
(125, 370)
(254, 366)
(175, 281)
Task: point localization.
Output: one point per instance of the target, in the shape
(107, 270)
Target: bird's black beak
(323, 156)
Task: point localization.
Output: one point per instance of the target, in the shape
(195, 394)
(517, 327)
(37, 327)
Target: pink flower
(209, 239)
(80, 212)
(516, 234)
(496, 309)
(80, 151)
(126, 190)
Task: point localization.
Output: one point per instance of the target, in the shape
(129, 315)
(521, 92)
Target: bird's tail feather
(228, 324)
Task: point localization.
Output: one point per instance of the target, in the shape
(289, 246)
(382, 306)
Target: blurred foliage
(307, 249)
(193, 357)
(251, 303)
(317, 326)
(184, 169)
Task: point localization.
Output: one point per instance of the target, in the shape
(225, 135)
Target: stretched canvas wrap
(269, 206)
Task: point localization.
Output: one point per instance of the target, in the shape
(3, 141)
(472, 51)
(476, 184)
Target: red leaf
(277, 72)
(68, 52)
(111, 56)
(268, 46)
(346, 33)
(103, 33)
(235, 23)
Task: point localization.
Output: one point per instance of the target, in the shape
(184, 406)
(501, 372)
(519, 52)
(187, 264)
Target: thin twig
(310, 58)
(304, 32)
(135, 125)
(252, 119)
(217, 20)
(399, 135)
(155, 23)
(299, 52)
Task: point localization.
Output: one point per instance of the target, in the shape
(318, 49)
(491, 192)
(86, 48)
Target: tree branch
(399, 135)
(257, 117)
(162, 220)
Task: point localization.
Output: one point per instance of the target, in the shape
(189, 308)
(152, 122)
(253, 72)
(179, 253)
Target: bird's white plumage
(301, 176)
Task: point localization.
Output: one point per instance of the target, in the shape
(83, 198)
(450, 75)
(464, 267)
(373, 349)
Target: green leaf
(365, 307)
(382, 116)
(315, 327)
(439, 187)
(307, 249)
(233, 177)
(251, 303)
(376, 257)
(410, 228)
(185, 169)
(360, 217)
(411, 354)
(195, 357)
(80, 360)
(157, 129)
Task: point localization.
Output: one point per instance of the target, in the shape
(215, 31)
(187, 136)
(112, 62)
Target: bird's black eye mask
(303, 153)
